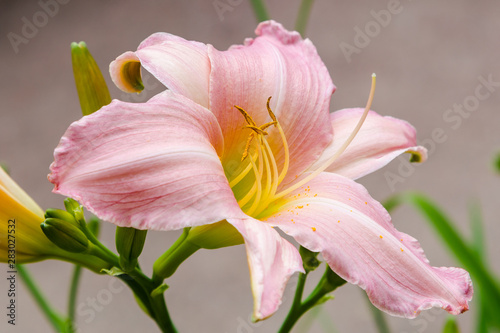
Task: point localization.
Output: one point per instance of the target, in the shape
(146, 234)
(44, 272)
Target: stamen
(256, 129)
(248, 119)
(283, 138)
(341, 149)
(242, 175)
(274, 186)
(247, 146)
(258, 181)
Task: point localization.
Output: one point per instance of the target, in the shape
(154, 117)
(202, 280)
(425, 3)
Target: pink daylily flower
(188, 157)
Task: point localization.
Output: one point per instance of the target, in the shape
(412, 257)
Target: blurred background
(430, 58)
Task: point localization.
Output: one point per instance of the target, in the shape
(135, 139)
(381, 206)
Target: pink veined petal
(280, 64)
(379, 141)
(181, 65)
(337, 217)
(148, 166)
(271, 260)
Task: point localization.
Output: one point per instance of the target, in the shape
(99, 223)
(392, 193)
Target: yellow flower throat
(256, 186)
(262, 162)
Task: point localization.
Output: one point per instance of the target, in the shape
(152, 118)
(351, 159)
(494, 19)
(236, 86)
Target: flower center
(258, 181)
(255, 186)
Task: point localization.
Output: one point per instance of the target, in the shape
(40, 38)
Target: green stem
(169, 261)
(303, 16)
(379, 317)
(162, 315)
(296, 309)
(328, 283)
(56, 320)
(73, 291)
(260, 10)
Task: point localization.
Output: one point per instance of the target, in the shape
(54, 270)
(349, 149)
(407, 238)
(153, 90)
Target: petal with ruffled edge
(149, 166)
(271, 260)
(337, 217)
(280, 64)
(181, 65)
(379, 141)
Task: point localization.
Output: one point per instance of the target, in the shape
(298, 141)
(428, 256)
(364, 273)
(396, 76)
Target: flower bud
(90, 84)
(309, 259)
(65, 235)
(129, 244)
(61, 215)
(75, 209)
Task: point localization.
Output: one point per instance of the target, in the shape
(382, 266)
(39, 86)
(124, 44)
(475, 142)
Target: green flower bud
(60, 214)
(75, 209)
(65, 235)
(309, 259)
(90, 84)
(129, 244)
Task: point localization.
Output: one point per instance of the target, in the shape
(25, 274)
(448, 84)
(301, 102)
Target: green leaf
(451, 326)
(259, 9)
(114, 271)
(303, 16)
(159, 290)
(497, 163)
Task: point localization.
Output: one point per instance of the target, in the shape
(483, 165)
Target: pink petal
(271, 259)
(147, 166)
(181, 65)
(337, 217)
(379, 141)
(280, 64)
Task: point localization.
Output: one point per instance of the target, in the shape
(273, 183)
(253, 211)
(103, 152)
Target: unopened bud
(309, 259)
(65, 235)
(129, 244)
(75, 209)
(90, 84)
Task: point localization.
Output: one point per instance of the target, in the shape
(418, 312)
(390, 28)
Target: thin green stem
(55, 319)
(328, 283)
(259, 9)
(378, 317)
(303, 16)
(73, 291)
(296, 309)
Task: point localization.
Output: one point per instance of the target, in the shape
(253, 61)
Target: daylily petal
(148, 166)
(271, 259)
(337, 217)
(280, 64)
(181, 65)
(379, 141)
(18, 193)
(31, 242)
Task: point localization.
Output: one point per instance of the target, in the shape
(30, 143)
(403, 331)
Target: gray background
(427, 58)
